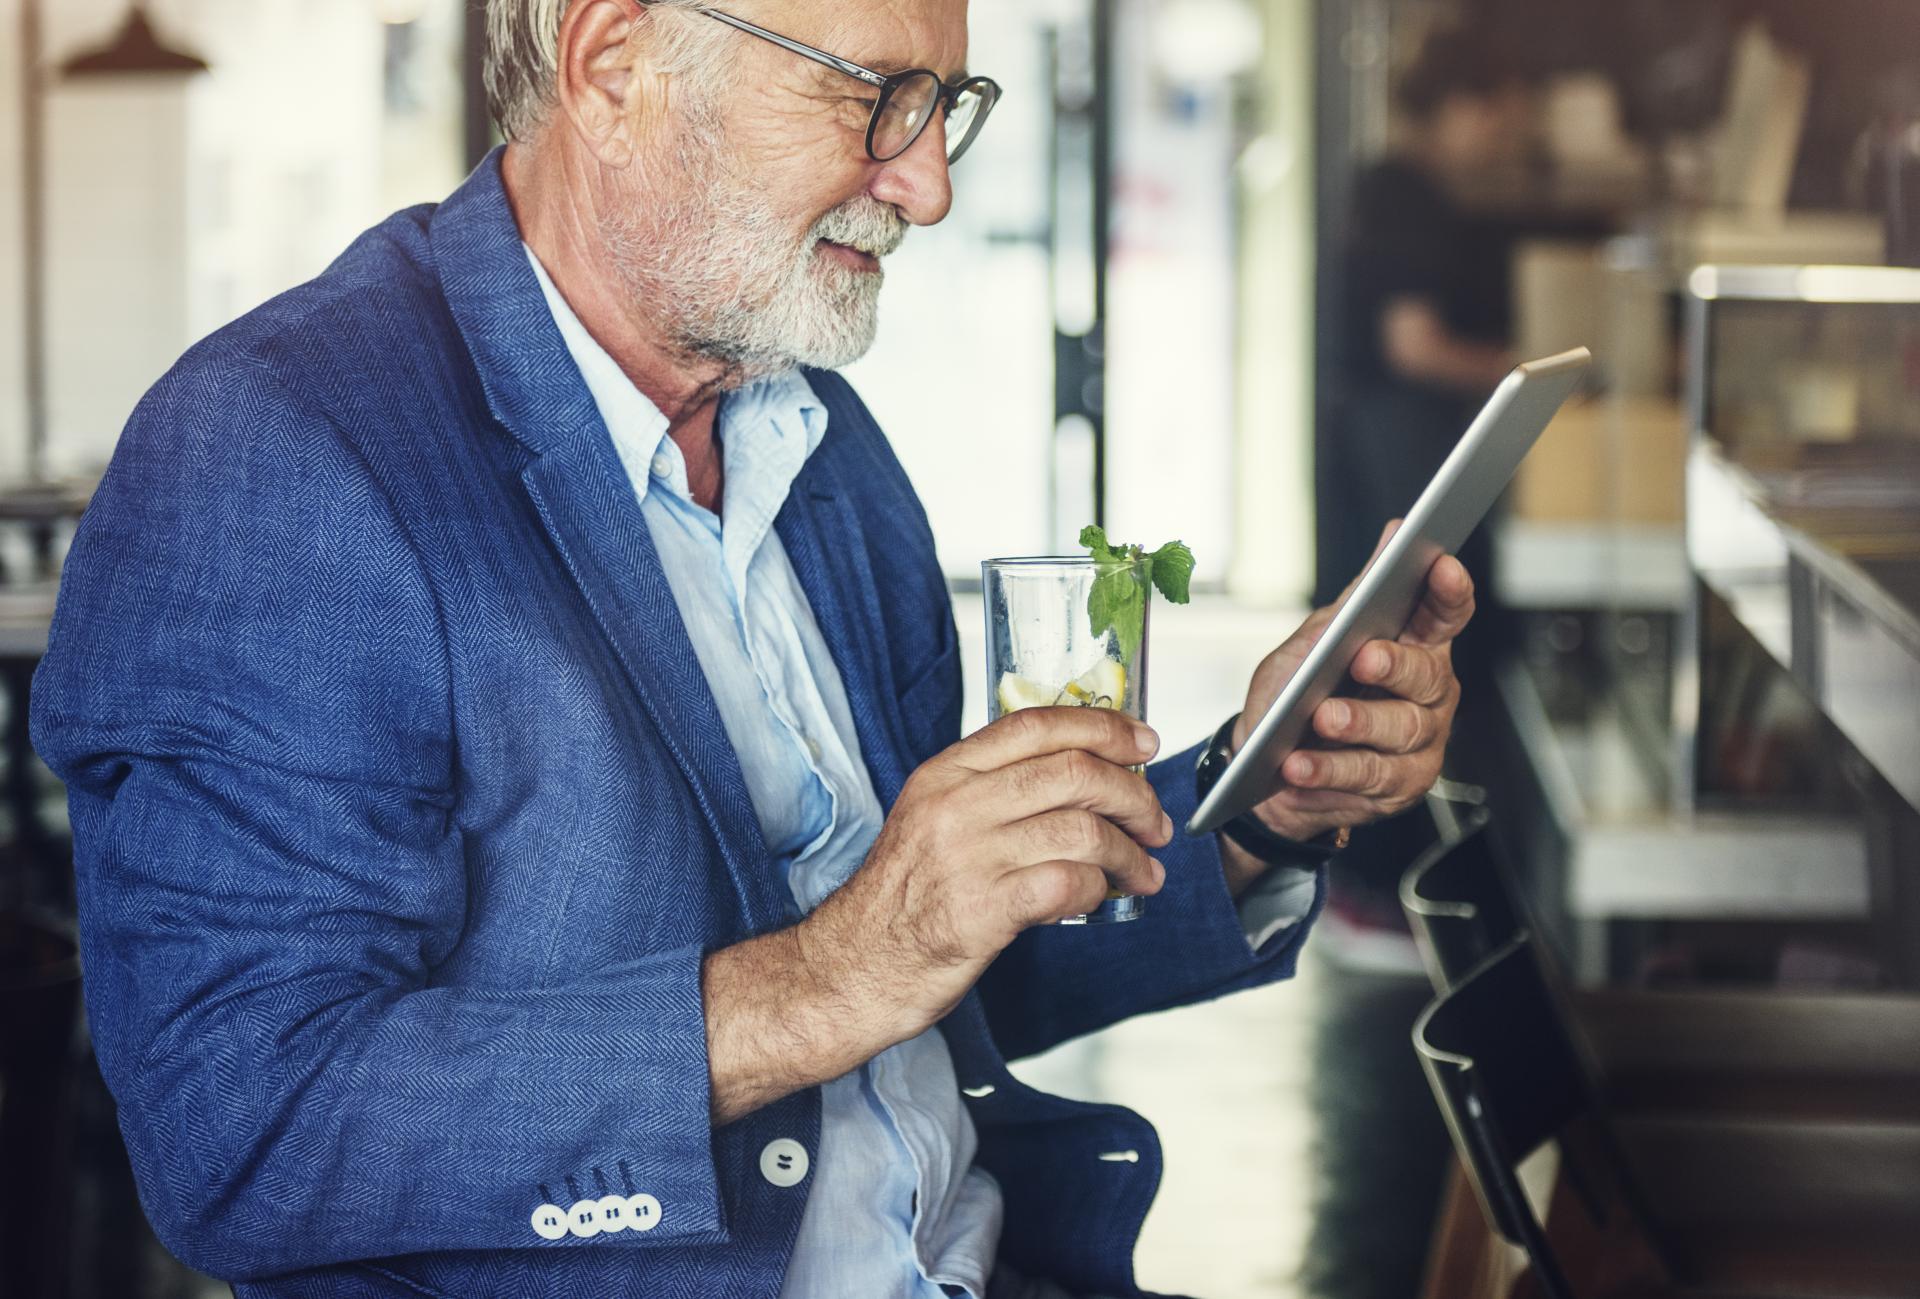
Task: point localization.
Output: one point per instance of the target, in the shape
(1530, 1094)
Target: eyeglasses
(905, 101)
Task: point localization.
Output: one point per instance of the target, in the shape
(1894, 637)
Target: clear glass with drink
(1042, 652)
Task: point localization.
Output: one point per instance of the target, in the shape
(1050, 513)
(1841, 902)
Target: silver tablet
(1449, 509)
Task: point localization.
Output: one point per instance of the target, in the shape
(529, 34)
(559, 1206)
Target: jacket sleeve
(1060, 982)
(248, 694)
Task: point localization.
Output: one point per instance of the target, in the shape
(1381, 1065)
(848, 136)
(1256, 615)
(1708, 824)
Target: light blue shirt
(896, 1208)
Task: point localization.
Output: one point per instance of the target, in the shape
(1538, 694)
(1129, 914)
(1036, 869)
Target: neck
(556, 196)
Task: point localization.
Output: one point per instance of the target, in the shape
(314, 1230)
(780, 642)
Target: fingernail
(1147, 742)
(1166, 825)
(1159, 872)
(1338, 714)
(1305, 767)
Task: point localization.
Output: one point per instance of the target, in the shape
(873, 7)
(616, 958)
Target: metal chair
(1462, 901)
(1510, 1076)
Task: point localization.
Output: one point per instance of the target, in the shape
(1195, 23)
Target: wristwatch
(1248, 830)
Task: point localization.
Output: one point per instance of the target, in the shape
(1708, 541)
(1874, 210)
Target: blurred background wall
(173, 201)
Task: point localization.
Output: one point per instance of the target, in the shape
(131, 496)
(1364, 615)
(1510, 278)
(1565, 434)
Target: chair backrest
(1462, 902)
(1510, 1075)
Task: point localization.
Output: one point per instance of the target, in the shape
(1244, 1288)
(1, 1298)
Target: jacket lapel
(587, 505)
(839, 584)
(585, 502)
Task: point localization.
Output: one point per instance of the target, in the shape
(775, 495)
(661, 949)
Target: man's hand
(1028, 820)
(1374, 757)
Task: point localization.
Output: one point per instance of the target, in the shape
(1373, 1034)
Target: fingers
(1295, 647)
(1445, 609)
(1394, 780)
(1386, 535)
(1076, 836)
(1318, 810)
(1279, 666)
(1412, 672)
(1078, 780)
(1389, 725)
(1035, 732)
(1052, 890)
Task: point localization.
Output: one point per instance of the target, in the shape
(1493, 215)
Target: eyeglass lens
(911, 104)
(965, 118)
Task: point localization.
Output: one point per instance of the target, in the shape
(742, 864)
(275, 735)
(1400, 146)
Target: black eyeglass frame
(885, 85)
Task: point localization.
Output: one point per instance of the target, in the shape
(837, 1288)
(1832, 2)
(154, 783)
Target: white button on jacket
(613, 1213)
(550, 1222)
(643, 1212)
(784, 1162)
(583, 1219)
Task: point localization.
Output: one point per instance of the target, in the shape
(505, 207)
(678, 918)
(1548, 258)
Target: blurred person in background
(1426, 339)
(509, 703)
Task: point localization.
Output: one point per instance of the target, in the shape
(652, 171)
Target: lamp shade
(134, 48)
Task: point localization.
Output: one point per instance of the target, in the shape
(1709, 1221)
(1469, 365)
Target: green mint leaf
(1118, 603)
(1130, 621)
(1094, 538)
(1103, 599)
(1118, 599)
(1171, 568)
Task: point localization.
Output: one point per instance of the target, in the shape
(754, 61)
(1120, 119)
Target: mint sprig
(1118, 601)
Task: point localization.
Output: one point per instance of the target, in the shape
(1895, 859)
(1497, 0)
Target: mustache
(864, 223)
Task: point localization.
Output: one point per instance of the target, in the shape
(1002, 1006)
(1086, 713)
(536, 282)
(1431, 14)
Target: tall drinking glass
(1042, 652)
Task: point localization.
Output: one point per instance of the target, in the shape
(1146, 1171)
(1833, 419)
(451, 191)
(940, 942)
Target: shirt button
(613, 1213)
(784, 1162)
(662, 465)
(643, 1212)
(550, 1222)
(583, 1219)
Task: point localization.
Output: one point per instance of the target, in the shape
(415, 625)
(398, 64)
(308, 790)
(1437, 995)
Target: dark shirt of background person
(1428, 294)
(1428, 311)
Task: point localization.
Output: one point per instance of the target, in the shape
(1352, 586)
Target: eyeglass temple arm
(838, 64)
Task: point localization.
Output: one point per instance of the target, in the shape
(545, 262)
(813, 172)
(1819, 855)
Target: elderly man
(509, 703)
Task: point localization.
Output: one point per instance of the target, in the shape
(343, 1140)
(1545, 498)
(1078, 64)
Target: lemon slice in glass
(1102, 686)
(1017, 692)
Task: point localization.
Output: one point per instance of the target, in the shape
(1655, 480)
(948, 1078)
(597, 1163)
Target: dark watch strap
(1248, 830)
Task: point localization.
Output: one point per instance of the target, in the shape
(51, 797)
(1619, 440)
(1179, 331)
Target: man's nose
(918, 182)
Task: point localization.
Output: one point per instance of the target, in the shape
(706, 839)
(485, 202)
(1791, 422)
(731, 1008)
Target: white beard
(718, 263)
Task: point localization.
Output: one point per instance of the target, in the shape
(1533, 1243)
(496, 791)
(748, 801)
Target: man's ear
(601, 76)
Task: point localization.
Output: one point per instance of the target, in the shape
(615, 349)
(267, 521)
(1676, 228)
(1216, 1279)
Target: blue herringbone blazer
(403, 816)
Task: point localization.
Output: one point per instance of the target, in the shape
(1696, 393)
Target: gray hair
(523, 64)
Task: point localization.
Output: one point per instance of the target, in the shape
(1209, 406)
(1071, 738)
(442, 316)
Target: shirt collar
(768, 429)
